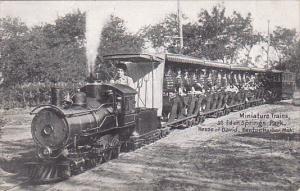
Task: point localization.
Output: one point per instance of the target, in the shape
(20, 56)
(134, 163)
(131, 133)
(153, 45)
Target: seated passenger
(214, 81)
(237, 80)
(169, 81)
(231, 88)
(219, 81)
(121, 78)
(197, 82)
(248, 77)
(239, 77)
(228, 78)
(202, 76)
(259, 85)
(252, 85)
(232, 78)
(208, 82)
(187, 83)
(240, 80)
(243, 78)
(246, 86)
(214, 88)
(180, 89)
(223, 81)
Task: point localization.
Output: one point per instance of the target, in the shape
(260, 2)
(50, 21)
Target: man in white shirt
(121, 78)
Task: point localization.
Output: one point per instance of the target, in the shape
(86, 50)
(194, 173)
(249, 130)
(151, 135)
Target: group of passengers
(199, 81)
(202, 81)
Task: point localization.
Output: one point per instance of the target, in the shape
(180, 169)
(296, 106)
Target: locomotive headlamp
(44, 152)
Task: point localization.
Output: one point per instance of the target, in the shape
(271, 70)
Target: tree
(219, 37)
(208, 37)
(71, 27)
(287, 46)
(61, 48)
(43, 53)
(294, 63)
(12, 32)
(116, 39)
(250, 40)
(50, 52)
(242, 37)
(214, 36)
(284, 41)
(165, 34)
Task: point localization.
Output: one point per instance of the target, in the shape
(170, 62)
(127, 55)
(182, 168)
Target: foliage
(12, 53)
(71, 28)
(116, 39)
(214, 36)
(66, 57)
(50, 52)
(43, 53)
(56, 52)
(163, 34)
(32, 94)
(285, 43)
(221, 37)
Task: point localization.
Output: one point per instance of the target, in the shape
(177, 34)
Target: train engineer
(121, 77)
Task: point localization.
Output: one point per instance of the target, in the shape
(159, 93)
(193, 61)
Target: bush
(32, 94)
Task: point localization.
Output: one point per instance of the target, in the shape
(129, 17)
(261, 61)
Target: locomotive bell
(79, 99)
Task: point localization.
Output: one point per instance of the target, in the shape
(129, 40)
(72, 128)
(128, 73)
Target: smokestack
(56, 96)
(92, 77)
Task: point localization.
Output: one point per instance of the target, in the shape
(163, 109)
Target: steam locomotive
(105, 118)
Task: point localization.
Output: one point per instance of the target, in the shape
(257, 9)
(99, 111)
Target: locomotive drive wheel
(104, 141)
(115, 144)
(111, 146)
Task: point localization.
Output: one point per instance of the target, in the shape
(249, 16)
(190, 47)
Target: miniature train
(105, 118)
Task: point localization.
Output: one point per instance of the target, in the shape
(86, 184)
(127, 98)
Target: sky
(140, 13)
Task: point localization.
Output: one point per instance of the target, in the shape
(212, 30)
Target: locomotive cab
(124, 104)
(146, 72)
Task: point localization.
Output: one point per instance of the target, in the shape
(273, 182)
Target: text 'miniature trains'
(162, 92)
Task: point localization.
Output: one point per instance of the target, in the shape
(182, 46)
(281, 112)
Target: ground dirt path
(198, 159)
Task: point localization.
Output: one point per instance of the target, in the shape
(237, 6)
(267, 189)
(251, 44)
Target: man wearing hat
(121, 78)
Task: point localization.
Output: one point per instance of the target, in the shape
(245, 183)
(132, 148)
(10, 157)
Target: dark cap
(122, 66)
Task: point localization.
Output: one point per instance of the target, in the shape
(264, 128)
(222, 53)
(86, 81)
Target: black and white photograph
(166, 95)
